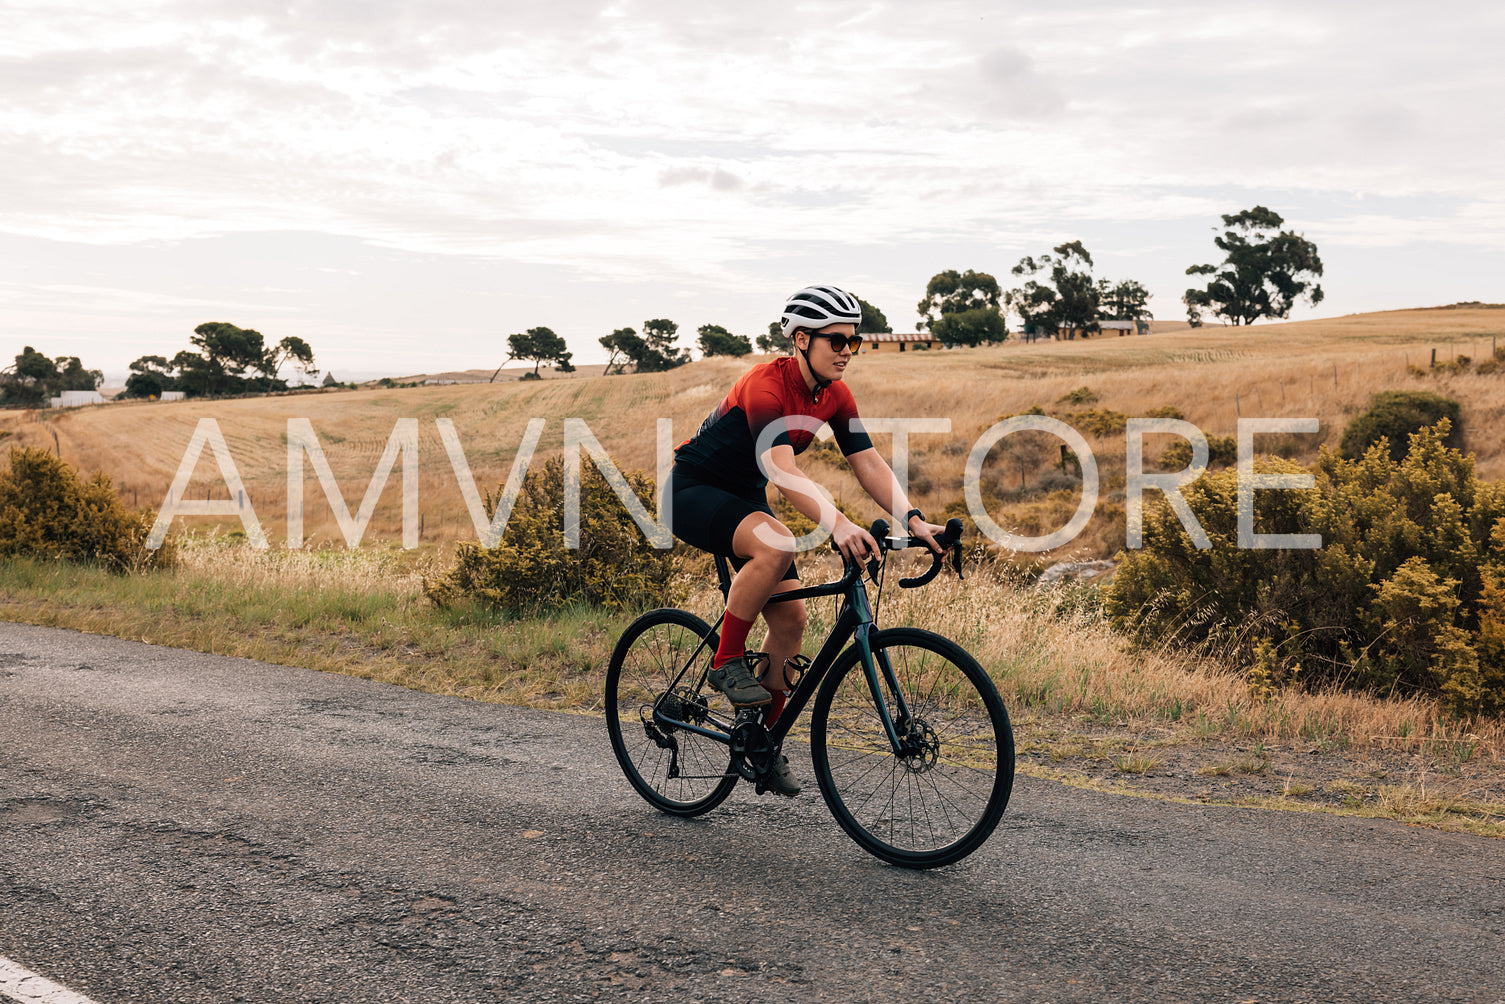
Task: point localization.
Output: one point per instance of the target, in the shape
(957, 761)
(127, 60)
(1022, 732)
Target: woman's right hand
(854, 543)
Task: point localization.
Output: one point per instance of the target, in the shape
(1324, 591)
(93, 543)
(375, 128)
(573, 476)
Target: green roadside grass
(1066, 678)
(375, 632)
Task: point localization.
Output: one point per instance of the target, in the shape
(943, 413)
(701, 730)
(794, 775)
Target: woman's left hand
(925, 531)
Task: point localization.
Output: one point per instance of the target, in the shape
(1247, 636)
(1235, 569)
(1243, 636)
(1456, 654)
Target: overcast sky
(403, 184)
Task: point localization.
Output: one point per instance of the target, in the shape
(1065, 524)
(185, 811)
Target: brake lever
(949, 540)
(879, 530)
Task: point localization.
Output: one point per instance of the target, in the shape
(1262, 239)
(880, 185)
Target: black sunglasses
(838, 342)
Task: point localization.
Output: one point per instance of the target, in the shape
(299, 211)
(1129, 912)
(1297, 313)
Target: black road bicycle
(911, 743)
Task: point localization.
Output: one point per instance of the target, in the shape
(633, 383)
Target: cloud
(1013, 88)
(717, 178)
(604, 137)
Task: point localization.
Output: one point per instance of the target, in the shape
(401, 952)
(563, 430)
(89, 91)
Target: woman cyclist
(720, 503)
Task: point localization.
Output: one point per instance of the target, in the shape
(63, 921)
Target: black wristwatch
(910, 515)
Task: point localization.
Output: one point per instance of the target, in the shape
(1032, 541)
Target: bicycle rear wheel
(936, 801)
(676, 770)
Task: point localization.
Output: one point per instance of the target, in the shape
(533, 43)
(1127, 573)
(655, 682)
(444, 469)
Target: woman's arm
(806, 497)
(878, 480)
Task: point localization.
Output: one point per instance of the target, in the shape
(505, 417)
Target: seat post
(723, 576)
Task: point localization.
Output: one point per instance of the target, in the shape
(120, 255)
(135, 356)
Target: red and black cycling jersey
(723, 450)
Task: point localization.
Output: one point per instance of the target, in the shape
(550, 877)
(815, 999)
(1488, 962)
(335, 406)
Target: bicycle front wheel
(676, 770)
(937, 798)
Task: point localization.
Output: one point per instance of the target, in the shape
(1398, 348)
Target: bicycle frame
(854, 621)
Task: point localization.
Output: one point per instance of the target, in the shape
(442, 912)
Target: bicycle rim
(675, 770)
(939, 801)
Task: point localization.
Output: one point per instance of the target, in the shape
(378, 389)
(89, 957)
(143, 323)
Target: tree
(1262, 274)
(290, 349)
(540, 345)
(953, 292)
(33, 378)
(226, 355)
(150, 376)
(231, 349)
(777, 341)
(873, 321)
(978, 326)
(651, 352)
(71, 375)
(661, 354)
(1125, 301)
(1071, 297)
(34, 367)
(228, 360)
(625, 347)
(717, 341)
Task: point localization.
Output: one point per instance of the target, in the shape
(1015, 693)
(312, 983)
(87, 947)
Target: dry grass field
(1088, 708)
(1325, 369)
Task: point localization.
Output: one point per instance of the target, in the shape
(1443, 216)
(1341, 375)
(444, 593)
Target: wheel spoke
(942, 796)
(647, 662)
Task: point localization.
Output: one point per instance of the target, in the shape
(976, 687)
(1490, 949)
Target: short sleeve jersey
(724, 450)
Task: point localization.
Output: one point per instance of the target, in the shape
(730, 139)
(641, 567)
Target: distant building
(173, 395)
(1104, 327)
(890, 341)
(77, 399)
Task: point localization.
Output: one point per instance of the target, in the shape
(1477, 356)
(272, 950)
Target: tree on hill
(33, 378)
(776, 340)
(651, 352)
(232, 360)
(717, 341)
(539, 346)
(225, 351)
(294, 350)
(625, 348)
(1124, 301)
(659, 336)
(961, 308)
(1068, 298)
(873, 321)
(150, 376)
(1265, 270)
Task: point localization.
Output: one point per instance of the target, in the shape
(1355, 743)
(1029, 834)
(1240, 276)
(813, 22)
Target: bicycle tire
(645, 661)
(937, 805)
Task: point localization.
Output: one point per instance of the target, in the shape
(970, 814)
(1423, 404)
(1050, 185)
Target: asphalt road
(182, 827)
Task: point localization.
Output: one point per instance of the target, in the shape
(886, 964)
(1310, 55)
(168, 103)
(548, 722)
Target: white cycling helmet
(814, 307)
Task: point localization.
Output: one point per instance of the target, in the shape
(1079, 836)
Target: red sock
(734, 631)
(776, 708)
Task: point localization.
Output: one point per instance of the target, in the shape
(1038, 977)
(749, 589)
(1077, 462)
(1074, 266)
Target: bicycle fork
(879, 671)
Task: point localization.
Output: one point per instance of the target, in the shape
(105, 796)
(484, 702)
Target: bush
(48, 511)
(1222, 451)
(1101, 422)
(1394, 415)
(1406, 594)
(531, 571)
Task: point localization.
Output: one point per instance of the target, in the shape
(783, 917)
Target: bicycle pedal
(763, 788)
